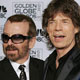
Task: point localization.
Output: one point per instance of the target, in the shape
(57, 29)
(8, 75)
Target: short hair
(69, 8)
(24, 18)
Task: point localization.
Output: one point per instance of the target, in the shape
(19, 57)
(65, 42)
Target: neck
(22, 60)
(61, 52)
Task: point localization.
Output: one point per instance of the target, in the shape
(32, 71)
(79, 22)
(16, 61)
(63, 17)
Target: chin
(60, 47)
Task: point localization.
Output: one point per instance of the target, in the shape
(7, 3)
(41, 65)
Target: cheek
(50, 31)
(23, 46)
(70, 32)
(4, 46)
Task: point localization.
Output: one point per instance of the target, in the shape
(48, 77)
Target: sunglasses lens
(5, 38)
(17, 38)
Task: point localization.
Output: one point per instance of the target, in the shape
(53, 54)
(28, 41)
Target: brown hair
(21, 18)
(69, 8)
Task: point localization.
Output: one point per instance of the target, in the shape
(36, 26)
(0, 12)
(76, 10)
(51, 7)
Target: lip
(11, 51)
(59, 38)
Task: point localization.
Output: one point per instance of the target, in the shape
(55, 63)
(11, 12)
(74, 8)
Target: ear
(32, 42)
(77, 30)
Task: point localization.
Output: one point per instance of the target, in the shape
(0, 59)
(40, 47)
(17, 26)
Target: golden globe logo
(32, 9)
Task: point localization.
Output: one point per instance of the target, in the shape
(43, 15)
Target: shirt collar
(16, 65)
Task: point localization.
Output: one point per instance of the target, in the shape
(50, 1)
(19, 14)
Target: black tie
(22, 74)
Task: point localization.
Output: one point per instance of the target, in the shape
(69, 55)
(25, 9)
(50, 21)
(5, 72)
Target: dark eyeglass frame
(16, 38)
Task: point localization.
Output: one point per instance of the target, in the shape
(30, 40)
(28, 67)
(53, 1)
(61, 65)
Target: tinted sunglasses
(16, 38)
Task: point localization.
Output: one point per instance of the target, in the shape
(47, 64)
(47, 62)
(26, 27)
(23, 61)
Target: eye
(65, 21)
(51, 22)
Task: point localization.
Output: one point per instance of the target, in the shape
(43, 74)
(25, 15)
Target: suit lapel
(69, 65)
(10, 74)
(33, 73)
(33, 70)
(66, 70)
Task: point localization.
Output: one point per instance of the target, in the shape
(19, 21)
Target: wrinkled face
(18, 51)
(61, 31)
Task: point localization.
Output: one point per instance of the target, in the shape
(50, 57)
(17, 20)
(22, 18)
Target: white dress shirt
(17, 70)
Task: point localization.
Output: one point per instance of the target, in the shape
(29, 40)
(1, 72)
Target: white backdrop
(33, 8)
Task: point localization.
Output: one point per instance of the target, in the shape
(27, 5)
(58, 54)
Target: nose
(10, 42)
(58, 26)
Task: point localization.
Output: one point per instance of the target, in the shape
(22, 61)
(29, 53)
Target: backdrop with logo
(34, 9)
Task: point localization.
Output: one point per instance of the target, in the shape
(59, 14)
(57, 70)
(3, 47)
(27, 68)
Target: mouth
(59, 37)
(11, 51)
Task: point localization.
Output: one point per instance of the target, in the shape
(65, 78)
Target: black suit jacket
(7, 72)
(70, 70)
